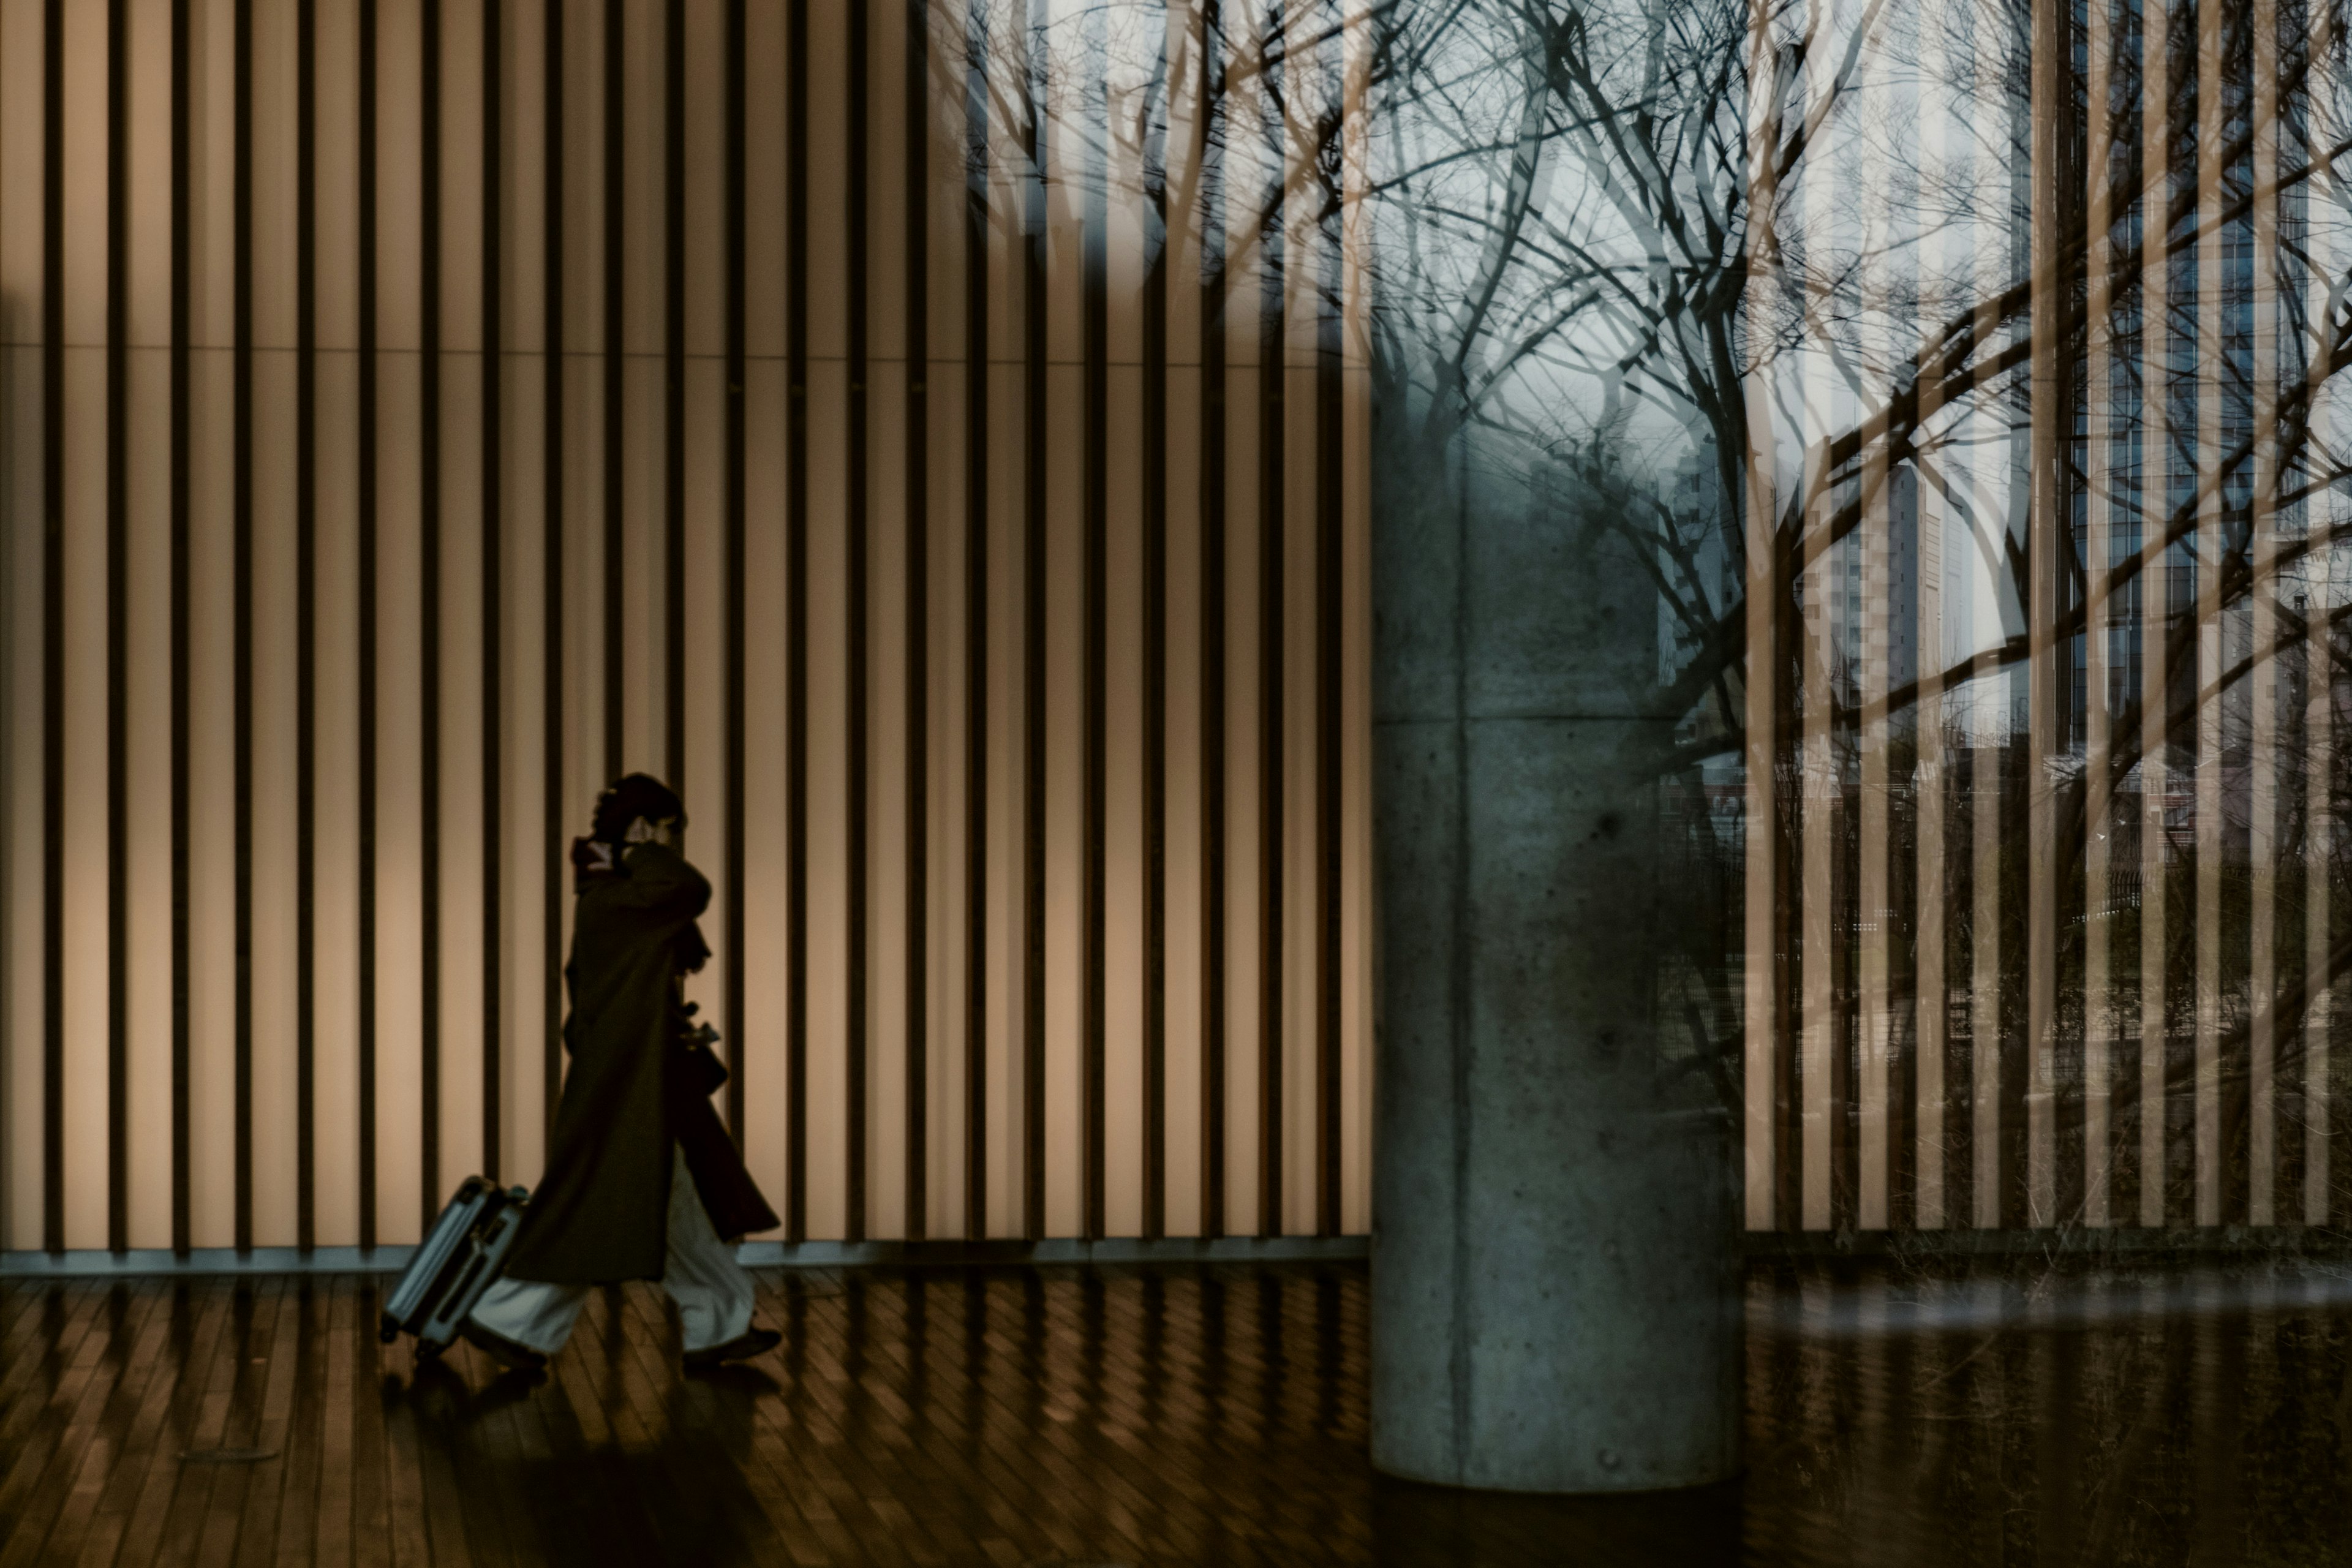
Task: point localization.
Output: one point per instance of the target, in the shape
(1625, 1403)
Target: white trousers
(713, 1292)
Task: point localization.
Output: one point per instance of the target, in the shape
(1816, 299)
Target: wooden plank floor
(989, 1416)
(1014, 1416)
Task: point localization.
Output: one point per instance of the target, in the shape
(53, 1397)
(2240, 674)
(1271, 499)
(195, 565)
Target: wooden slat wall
(2101, 991)
(413, 414)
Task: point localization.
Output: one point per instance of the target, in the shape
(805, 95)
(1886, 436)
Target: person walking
(643, 1181)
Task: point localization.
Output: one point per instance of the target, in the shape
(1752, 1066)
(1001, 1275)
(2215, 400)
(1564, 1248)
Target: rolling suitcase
(466, 1250)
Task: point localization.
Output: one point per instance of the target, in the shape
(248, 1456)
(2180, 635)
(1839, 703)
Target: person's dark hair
(627, 799)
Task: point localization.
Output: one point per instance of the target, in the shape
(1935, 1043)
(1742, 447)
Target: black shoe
(500, 1348)
(742, 1347)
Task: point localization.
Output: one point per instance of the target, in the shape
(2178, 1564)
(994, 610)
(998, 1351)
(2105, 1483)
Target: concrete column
(1554, 1273)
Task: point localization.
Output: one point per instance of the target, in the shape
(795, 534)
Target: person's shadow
(533, 1485)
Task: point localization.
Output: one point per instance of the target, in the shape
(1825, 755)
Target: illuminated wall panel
(869, 415)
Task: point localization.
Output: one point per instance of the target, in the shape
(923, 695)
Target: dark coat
(601, 1212)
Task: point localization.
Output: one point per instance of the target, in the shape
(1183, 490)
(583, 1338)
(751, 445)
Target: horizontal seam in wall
(596, 356)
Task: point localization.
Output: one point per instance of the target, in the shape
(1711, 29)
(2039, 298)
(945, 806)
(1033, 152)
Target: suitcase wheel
(427, 1351)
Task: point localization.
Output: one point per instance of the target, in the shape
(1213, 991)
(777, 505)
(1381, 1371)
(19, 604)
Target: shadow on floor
(1895, 1418)
(1418, 1526)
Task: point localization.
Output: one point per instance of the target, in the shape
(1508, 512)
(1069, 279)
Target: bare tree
(1820, 247)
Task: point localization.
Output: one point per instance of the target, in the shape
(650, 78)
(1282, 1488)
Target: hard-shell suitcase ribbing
(458, 1259)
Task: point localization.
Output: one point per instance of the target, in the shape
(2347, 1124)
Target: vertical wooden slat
(611, 106)
(1875, 906)
(1059, 71)
(1931, 789)
(1821, 597)
(2049, 543)
(1982, 509)
(2322, 126)
(368, 689)
(2211, 1176)
(2011, 474)
(1032, 136)
(1329, 449)
(1819, 569)
(2124, 461)
(2155, 600)
(531, 812)
(23, 755)
(1210, 119)
(1987, 723)
(2261, 1151)
(584, 256)
(856, 1066)
(2293, 987)
(943, 281)
(306, 613)
(2320, 829)
(976, 398)
(1936, 475)
(241, 632)
(1125, 102)
(999, 455)
(429, 633)
(1240, 298)
(393, 430)
(338, 586)
(1301, 604)
(1128, 99)
(449, 419)
(1356, 641)
(1178, 168)
(1819, 1046)
(796, 601)
(276, 650)
(828, 647)
(554, 348)
(2099, 1011)
(1154, 390)
(117, 628)
(735, 520)
(889, 458)
(644, 434)
(761, 1048)
(702, 643)
(179, 502)
(993, 471)
(673, 340)
(83, 684)
(1759, 505)
(491, 524)
(2000, 471)
(1092, 169)
(1273, 537)
(53, 654)
(916, 132)
(147, 605)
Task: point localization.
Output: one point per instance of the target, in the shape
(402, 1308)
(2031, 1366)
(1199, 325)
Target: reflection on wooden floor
(2158, 1415)
(1018, 1416)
